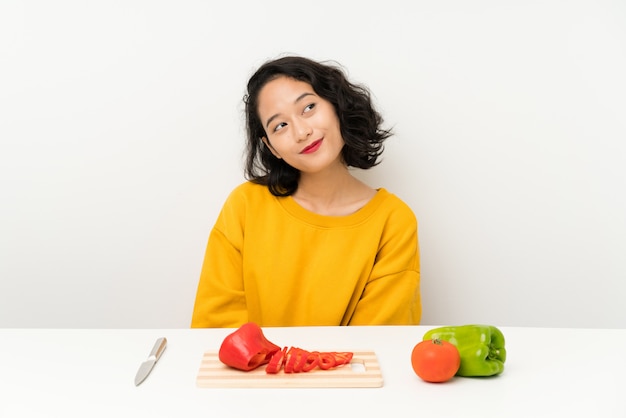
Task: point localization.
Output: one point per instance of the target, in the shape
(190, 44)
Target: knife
(146, 366)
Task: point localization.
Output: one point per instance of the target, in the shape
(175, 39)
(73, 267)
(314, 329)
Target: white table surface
(90, 373)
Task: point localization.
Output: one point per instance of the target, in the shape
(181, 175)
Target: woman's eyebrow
(300, 97)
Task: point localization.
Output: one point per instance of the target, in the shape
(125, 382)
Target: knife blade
(153, 357)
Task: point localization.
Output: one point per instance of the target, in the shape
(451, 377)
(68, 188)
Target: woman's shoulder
(394, 204)
(249, 192)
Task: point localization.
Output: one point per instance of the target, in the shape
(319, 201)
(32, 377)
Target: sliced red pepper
(293, 356)
(342, 358)
(276, 362)
(296, 360)
(311, 362)
(326, 361)
(302, 361)
(247, 348)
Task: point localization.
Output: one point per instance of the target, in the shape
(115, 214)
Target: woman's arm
(392, 293)
(220, 298)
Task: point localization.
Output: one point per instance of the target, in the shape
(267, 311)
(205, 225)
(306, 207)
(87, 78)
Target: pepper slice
(276, 362)
(311, 362)
(342, 358)
(481, 348)
(326, 361)
(291, 360)
(301, 360)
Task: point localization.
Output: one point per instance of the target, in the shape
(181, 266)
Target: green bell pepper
(481, 348)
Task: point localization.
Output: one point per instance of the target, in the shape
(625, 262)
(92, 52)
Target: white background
(121, 134)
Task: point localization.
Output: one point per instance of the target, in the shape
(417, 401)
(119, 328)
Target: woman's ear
(270, 147)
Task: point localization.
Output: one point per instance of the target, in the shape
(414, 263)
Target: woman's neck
(336, 193)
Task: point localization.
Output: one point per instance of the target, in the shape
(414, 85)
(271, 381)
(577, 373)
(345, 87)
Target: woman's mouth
(312, 147)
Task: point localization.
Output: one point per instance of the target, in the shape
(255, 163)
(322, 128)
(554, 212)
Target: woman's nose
(303, 131)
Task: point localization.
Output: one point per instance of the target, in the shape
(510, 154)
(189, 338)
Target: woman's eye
(279, 126)
(309, 108)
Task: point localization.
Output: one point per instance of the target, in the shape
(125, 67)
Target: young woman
(304, 242)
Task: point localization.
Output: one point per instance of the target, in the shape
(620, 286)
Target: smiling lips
(314, 146)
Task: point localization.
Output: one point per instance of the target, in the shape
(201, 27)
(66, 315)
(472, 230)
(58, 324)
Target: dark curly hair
(359, 122)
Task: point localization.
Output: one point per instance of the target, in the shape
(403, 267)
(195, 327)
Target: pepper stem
(494, 353)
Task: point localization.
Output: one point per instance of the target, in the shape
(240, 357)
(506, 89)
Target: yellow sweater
(270, 261)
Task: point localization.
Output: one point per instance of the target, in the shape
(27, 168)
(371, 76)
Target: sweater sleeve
(392, 293)
(220, 298)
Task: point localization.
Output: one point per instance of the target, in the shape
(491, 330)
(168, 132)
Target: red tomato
(435, 360)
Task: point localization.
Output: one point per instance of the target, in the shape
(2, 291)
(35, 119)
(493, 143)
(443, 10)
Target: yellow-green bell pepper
(481, 348)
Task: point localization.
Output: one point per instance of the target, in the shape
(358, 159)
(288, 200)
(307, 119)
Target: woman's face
(301, 127)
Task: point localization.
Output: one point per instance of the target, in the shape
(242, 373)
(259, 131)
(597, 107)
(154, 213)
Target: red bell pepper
(247, 348)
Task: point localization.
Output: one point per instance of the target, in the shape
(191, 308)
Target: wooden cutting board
(364, 371)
